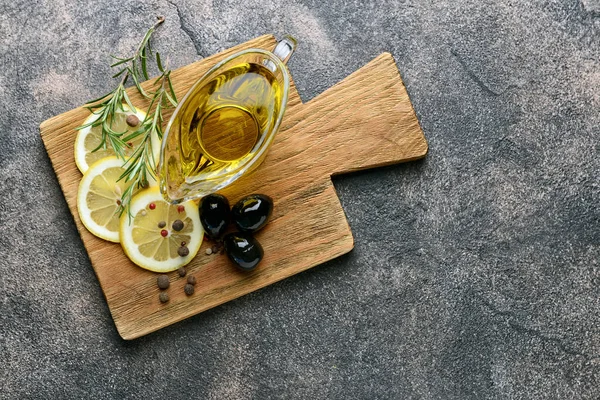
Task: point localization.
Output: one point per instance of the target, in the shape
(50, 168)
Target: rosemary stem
(160, 20)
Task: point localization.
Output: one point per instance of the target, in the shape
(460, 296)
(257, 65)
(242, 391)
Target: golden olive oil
(222, 126)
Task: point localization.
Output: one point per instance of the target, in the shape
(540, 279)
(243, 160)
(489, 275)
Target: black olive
(214, 214)
(252, 212)
(243, 249)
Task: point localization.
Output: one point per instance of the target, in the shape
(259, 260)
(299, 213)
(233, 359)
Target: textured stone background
(475, 272)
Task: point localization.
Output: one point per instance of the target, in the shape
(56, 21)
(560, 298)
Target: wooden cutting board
(365, 121)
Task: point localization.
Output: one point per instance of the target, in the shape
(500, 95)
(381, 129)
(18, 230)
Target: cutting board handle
(364, 121)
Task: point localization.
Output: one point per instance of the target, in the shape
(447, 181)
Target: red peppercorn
(152, 206)
(164, 233)
(180, 208)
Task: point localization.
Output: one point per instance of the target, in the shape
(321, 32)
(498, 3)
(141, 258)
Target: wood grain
(364, 121)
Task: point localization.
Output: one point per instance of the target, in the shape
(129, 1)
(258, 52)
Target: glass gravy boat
(223, 127)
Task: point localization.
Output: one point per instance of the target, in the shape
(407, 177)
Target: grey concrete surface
(475, 272)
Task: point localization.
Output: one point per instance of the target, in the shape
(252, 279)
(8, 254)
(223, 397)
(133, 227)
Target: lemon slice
(160, 236)
(90, 137)
(99, 198)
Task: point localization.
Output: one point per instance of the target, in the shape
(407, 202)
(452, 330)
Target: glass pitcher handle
(285, 48)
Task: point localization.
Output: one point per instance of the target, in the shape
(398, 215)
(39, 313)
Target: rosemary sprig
(106, 107)
(142, 164)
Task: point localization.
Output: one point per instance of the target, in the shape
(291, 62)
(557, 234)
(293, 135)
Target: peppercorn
(164, 297)
(191, 280)
(163, 281)
(162, 224)
(177, 225)
(132, 120)
(208, 251)
(181, 271)
(189, 289)
(183, 251)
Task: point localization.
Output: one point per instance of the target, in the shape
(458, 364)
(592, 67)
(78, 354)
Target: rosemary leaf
(99, 98)
(159, 63)
(128, 101)
(144, 66)
(171, 100)
(119, 73)
(121, 61)
(171, 89)
(138, 86)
